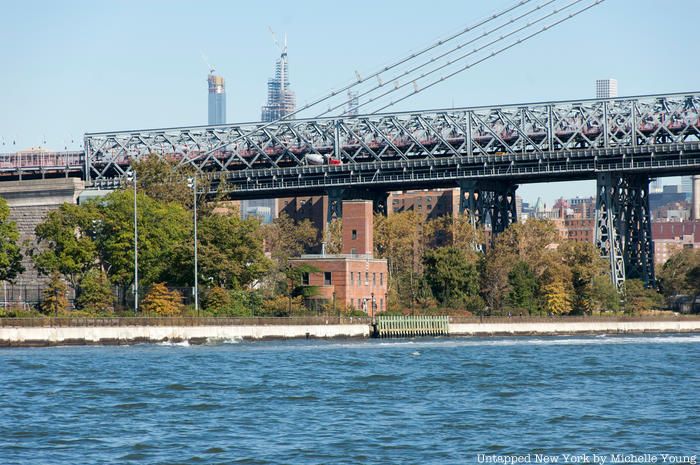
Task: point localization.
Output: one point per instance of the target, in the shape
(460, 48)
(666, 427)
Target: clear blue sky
(71, 67)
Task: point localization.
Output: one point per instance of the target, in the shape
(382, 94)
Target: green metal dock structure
(410, 326)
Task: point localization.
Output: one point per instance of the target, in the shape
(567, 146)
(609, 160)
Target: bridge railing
(39, 160)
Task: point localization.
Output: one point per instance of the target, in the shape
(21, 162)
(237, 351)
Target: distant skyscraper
(606, 88)
(217, 99)
(686, 184)
(280, 100)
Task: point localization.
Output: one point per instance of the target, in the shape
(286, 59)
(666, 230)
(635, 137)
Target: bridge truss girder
(623, 227)
(510, 131)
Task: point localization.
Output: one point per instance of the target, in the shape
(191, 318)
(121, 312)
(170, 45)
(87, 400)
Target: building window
(352, 278)
(327, 278)
(381, 305)
(366, 278)
(359, 279)
(353, 251)
(381, 279)
(305, 279)
(354, 234)
(374, 279)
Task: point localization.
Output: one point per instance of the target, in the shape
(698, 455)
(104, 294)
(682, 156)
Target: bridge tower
(623, 227)
(484, 201)
(336, 197)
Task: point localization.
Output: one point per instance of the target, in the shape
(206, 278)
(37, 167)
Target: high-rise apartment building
(606, 88)
(217, 99)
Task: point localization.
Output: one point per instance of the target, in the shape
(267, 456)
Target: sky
(79, 66)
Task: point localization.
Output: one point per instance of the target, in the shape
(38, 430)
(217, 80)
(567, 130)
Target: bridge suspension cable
(412, 56)
(490, 55)
(454, 49)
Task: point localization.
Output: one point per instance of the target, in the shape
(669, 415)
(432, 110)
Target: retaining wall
(580, 327)
(195, 334)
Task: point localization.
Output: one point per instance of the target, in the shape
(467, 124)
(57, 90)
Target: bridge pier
(488, 202)
(623, 227)
(336, 197)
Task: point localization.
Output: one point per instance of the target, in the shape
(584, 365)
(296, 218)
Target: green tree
(10, 252)
(165, 240)
(523, 287)
(231, 251)
(673, 276)
(285, 239)
(95, 293)
(601, 295)
(66, 242)
(162, 302)
(452, 273)
(639, 299)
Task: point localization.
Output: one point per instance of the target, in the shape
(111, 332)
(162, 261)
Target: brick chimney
(358, 224)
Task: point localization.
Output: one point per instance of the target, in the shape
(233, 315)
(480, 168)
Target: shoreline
(49, 336)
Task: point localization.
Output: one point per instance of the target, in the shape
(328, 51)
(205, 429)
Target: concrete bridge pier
(623, 227)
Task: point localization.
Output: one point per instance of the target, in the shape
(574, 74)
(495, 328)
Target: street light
(192, 184)
(131, 176)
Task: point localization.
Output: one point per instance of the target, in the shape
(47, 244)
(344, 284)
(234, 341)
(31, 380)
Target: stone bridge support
(30, 201)
(623, 227)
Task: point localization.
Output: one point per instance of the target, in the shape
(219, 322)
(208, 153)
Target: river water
(442, 400)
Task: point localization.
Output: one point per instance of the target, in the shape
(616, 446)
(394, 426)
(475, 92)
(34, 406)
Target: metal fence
(304, 320)
(179, 321)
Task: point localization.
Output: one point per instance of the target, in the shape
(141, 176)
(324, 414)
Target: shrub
(162, 302)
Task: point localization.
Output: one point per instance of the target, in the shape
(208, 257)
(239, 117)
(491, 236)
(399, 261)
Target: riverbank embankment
(39, 332)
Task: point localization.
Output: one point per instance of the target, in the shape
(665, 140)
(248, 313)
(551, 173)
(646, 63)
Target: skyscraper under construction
(280, 100)
(217, 99)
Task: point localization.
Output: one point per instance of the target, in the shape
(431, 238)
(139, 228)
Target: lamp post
(132, 177)
(192, 183)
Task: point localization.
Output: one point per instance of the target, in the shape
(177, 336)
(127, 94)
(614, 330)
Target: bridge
(485, 151)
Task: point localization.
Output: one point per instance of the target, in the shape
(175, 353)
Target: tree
(334, 237)
(400, 238)
(66, 241)
(162, 302)
(639, 299)
(673, 276)
(96, 295)
(10, 253)
(165, 240)
(55, 301)
(555, 299)
(523, 287)
(600, 296)
(452, 273)
(285, 238)
(231, 251)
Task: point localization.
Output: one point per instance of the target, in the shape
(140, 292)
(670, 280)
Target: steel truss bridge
(485, 151)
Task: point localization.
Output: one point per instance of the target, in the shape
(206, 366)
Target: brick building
(354, 278)
(429, 203)
(672, 236)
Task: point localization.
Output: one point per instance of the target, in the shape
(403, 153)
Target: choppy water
(419, 401)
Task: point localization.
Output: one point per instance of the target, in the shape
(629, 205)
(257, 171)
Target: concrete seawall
(112, 335)
(577, 327)
(18, 336)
